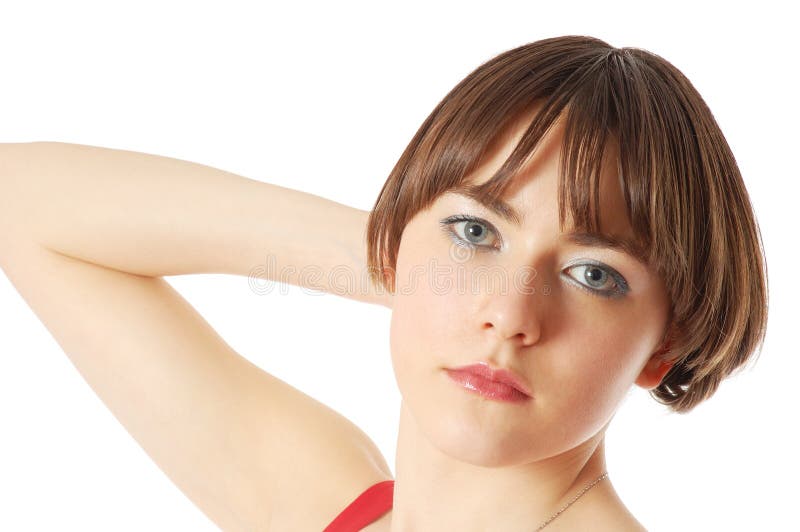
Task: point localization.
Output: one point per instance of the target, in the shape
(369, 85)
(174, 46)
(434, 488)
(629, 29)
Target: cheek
(599, 356)
(429, 313)
(421, 314)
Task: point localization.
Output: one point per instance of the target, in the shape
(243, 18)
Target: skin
(467, 463)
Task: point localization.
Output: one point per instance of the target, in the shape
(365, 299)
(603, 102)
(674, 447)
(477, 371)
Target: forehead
(531, 198)
(538, 178)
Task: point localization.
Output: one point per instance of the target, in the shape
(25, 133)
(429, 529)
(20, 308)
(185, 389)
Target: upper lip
(505, 376)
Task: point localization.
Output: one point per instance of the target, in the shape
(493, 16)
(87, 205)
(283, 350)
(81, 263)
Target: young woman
(567, 223)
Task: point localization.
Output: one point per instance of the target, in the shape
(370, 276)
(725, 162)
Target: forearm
(156, 216)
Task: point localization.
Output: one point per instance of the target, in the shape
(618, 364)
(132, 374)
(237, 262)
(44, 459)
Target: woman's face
(540, 306)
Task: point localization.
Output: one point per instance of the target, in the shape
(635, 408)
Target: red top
(365, 509)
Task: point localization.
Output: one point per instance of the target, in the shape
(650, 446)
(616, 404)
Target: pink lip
(497, 384)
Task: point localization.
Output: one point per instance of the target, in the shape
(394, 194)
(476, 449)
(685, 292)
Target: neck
(471, 488)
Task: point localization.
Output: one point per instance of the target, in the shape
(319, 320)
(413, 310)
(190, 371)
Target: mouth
(496, 384)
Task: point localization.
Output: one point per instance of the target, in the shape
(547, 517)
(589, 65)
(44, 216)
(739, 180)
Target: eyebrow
(497, 206)
(602, 241)
(579, 238)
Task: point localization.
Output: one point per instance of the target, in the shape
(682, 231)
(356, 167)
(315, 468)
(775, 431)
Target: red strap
(365, 509)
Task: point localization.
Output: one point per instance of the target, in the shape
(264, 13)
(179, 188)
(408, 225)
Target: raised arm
(84, 235)
(157, 216)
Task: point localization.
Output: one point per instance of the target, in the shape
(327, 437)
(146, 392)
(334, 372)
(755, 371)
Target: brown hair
(686, 200)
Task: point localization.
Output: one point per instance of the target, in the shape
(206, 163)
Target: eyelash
(620, 285)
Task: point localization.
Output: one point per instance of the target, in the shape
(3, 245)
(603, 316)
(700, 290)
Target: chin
(471, 443)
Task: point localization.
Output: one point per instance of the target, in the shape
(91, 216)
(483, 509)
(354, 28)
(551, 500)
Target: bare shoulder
(622, 523)
(325, 459)
(314, 501)
(602, 521)
(599, 511)
(616, 517)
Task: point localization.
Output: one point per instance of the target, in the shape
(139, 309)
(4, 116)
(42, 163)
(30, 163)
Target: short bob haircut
(686, 201)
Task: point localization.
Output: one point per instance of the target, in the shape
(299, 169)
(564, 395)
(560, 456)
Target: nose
(514, 314)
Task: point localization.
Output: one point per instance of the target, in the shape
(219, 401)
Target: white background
(324, 98)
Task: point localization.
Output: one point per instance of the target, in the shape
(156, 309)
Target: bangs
(600, 97)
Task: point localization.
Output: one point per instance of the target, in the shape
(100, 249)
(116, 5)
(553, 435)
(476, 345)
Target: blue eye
(471, 232)
(596, 278)
(599, 279)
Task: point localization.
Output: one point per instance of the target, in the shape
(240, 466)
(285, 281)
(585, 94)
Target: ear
(653, 372)
(656, 368)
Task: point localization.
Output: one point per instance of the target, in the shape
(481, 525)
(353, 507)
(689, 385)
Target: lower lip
(486, 388)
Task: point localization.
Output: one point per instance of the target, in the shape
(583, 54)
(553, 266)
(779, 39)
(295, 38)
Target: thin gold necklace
(584, 490)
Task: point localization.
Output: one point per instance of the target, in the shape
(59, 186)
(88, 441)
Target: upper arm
(239, 442)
